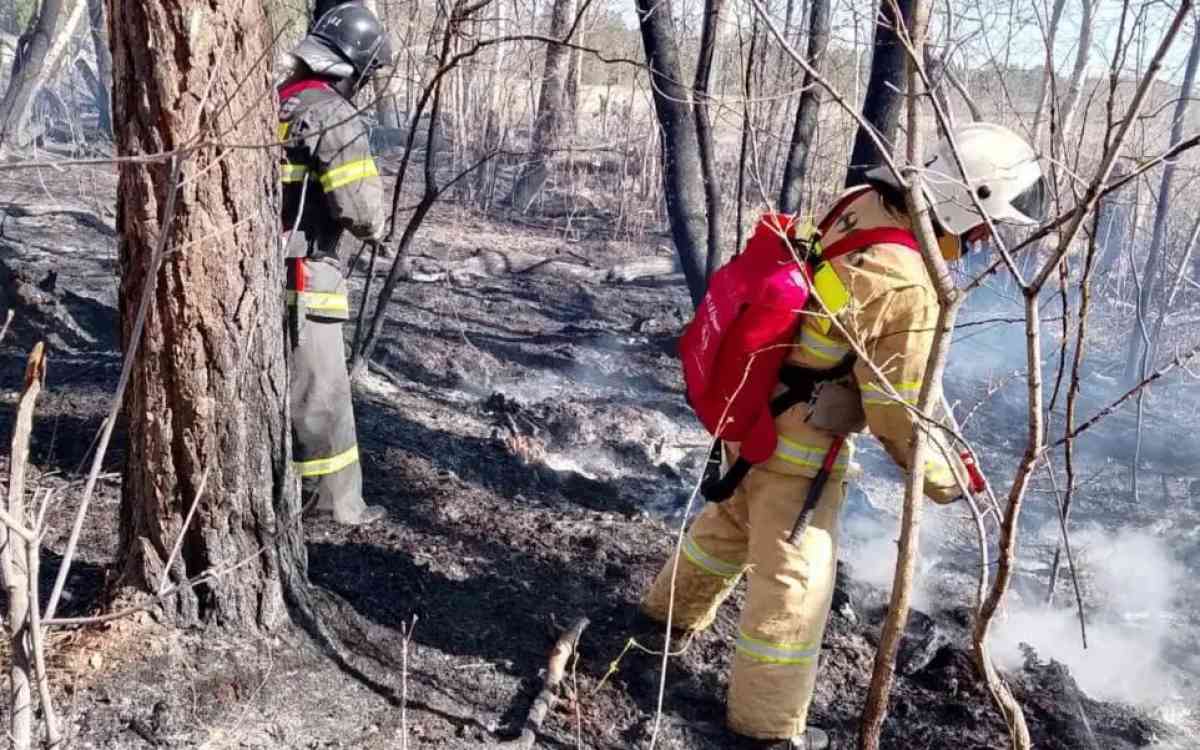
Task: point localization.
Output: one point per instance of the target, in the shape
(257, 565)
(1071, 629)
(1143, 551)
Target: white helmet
(1002, 171)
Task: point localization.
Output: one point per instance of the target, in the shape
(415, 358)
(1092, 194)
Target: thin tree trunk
(807, 113)
(682, 176)
(935, 70)
(548, 125)
(385, 102)
(1137, 360)
(1046, 91)
(207, 400)
(881, 104)
(1078, 73)
(704, 136)
(103, 93)
(14, 564)
(58, 49)
(575, 80)
(949, 299)
(747, 126)
(27, 70)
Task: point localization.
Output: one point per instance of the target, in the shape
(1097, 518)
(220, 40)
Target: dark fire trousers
(325, 442)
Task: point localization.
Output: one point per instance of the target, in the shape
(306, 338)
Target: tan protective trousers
(787, 603)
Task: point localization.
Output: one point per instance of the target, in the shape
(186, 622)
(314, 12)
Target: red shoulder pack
(734, 346)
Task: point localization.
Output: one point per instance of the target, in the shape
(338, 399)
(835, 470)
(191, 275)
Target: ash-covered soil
(528, 437)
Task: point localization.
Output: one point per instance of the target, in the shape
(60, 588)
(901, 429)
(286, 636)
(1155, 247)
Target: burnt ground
(528, 438)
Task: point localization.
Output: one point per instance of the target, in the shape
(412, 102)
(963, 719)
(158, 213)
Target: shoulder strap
(864, 237)
(867, 237)
(290, 90)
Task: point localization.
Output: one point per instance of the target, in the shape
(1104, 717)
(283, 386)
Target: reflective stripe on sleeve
(820, 346)
(352, 171)
(776, 653)
(322, 466)
(938, 472)
(707, 562)
(320, 301)
(877, 395)
(292, 172)
(810, 456)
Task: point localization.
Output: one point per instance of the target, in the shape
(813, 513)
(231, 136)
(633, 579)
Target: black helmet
(356, 35)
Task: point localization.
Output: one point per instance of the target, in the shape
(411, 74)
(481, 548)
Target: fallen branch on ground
(488, 263)
(545, 700)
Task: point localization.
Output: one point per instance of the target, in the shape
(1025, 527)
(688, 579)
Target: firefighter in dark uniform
(331, 186)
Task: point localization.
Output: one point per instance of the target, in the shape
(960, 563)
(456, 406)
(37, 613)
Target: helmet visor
(1031, 203)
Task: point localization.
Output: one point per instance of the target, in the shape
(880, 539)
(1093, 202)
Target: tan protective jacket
(892, 314)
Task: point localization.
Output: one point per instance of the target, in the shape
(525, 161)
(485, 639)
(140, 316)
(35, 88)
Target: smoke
(1131, 580)
(869, 535)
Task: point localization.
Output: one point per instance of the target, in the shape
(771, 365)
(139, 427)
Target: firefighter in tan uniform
(891, 310)
(330, 186)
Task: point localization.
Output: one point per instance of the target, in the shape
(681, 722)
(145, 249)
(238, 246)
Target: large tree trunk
(683, 181)
(207, 401)
(1137, 360)
(549, 122)
(796, 169)
(885, 87)
(27, 69)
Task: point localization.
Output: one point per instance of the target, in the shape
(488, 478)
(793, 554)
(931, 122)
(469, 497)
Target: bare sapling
(949, 300)
(19, 567)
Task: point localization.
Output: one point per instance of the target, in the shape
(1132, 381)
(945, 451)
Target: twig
(1179, 361)
(406, 632)
(49, 715)
(211, 575)
(1066, 542)
(545, 700)
(162, 581)
(135, 340)
(8, 319)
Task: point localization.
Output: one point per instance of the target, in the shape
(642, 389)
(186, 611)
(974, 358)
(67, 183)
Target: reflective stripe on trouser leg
(790, 588)
(713, 554)
(325, 443)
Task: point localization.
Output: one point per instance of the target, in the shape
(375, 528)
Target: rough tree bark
(103, 89)
(1137, 361)
(881, 105)
(27, 68)
(548, 124)
(704, 135)
(683, 181)
(207, 402)
(805, 129)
